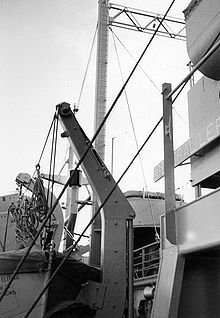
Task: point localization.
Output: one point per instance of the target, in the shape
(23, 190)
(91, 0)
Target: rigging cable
(87, 67)
(184, 191)
(152, 82)
(71, 248)
(82, 158)
(48, 231)
(157, 88)
(45, 143)
(65, 161)
(179, 92)
(54, 160)
(173, 107)
(136, 143)
(52, 156)
(42, 152)
(6, 232)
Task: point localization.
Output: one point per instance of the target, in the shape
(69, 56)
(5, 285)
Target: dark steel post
(130, 269)
(170, 202)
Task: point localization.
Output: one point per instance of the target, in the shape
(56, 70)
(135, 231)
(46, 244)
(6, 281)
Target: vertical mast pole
(100, 111)
(101, 74)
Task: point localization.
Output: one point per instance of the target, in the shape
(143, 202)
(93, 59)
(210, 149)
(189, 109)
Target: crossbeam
(146, 22)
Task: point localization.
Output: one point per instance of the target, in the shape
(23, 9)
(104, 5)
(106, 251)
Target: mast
(101, 74)
(100, 111)
(104, 20)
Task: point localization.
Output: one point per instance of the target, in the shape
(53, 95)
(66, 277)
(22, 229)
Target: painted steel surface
(202, 31)
(114, 215)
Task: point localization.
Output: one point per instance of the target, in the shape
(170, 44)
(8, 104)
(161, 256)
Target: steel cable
(136, 143)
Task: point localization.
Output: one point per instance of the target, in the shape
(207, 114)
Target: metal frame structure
(146, 22)
(113, 15)
(116, 215)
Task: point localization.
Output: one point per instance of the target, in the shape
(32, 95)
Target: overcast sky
(45, 46)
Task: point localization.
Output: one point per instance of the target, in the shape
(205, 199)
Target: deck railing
(146, 260)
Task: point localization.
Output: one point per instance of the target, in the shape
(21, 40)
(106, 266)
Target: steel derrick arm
(114, 216)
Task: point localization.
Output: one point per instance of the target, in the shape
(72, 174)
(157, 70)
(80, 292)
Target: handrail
(146, 260)
(145, 246)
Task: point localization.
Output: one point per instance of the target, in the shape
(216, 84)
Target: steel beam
(167, 294)
(114, 216)
(170, 199)
(146, 22)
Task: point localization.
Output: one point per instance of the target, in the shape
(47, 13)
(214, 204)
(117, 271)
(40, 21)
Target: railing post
(130, 269)
(170, 202)
(142, 262)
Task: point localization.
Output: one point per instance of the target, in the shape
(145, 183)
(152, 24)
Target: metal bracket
(92, 294)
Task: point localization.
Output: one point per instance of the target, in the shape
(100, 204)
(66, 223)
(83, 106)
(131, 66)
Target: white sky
(44, 50)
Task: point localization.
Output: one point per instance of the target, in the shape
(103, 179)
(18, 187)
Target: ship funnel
(202, 19)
